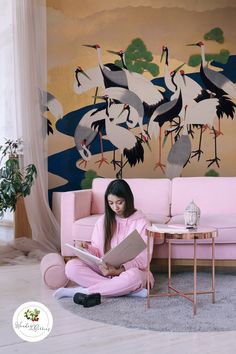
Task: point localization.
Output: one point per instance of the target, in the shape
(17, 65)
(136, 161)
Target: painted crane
(190, 89)
(131, 99)
(221, 88)
(165, 112)
(87, 79)
(167, 77)
(220, 85)
(86, 131)
(128, 144)
(112, 74)
(123, 139)
(49, 103)
(121, 54)
(179, 155)
(215, 81)
(141, 86)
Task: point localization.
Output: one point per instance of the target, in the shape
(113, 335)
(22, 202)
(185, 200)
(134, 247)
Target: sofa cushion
(213, 195)
(150, 195)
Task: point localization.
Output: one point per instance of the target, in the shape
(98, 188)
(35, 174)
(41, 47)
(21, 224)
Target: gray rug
(172, 314)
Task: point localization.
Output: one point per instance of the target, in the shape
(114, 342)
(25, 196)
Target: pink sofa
(163, 201)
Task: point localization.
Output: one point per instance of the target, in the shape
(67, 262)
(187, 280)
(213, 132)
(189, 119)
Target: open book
(128, 249)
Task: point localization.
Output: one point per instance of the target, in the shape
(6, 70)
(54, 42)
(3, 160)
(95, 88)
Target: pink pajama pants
(128, 281)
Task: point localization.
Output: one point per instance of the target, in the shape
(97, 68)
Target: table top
(180, 232)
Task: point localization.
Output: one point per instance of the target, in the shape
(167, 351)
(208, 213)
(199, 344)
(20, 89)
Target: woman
(119, 220)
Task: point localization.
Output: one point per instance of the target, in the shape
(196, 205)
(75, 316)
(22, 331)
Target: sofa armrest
(69, 207)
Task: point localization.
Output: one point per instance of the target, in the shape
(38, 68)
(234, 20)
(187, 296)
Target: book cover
(127, 250)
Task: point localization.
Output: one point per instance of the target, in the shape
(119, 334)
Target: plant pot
(21, 224)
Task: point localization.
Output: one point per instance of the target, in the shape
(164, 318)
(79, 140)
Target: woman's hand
(83, 244)
(109, 270)
(87, 246)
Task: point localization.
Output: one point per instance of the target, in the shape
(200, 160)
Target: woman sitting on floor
(119, 220)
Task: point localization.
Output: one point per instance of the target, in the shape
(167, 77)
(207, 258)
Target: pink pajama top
(124, 226)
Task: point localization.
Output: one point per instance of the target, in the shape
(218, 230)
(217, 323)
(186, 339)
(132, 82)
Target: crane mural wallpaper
(140, 89)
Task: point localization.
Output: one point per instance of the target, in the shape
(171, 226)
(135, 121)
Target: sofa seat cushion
(225, 224)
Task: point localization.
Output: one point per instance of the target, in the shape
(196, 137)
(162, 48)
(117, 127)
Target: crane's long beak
(121, 112)
(99, 97)
(191, 44)
(88, 45)
(162, 55)
(183, 76)
(112, 52)
(84, 73)
(179, 67)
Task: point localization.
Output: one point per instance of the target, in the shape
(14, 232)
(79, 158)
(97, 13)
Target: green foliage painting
(86, 183)
(139, 59)
(215, 34)
(221, 57)
(212, 173)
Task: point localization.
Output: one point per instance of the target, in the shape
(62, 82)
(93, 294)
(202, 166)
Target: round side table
(171, 233)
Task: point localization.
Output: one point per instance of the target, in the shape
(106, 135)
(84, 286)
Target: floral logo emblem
(32, 315)
(32, 321)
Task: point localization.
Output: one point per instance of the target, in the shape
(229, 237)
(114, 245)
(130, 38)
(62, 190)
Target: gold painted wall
(113, 24)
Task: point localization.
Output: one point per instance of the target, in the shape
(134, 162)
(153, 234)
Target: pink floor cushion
(53, 271)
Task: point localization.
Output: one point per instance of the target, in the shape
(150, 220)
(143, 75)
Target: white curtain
(7, 87)
(28, 74)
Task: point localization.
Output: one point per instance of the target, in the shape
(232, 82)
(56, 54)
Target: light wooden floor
(72, 334)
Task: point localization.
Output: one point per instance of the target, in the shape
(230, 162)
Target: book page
(128, 249)
(84, 255)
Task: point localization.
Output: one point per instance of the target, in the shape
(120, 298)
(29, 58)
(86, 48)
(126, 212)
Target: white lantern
(191, 215)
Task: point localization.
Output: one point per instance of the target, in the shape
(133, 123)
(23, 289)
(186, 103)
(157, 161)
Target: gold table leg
(213, 270)
(195, 278)
(169, 265)
(148, 271)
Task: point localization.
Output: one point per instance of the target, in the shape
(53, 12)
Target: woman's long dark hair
(121, 189)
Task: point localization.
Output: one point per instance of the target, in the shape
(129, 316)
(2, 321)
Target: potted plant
(15, 182)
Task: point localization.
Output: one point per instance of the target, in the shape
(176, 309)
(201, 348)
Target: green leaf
(138, 58)
(215, 34)
(194, 60)
(212, 173)
(119, 63)
(14, 182)
(223, 56)
(86, 183)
